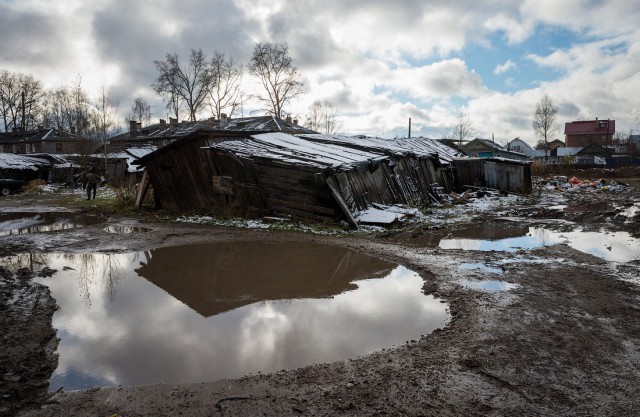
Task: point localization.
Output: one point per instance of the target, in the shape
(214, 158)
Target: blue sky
(377, 62)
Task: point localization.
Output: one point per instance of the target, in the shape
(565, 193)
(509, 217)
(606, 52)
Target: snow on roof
(140, 151)
(299, 151)
(13, 161)
(567, 151)
(243, 124)
(419, 146)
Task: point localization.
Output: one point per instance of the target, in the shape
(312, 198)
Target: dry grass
(34, 187)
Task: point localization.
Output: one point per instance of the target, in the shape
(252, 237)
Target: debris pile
(561, 182)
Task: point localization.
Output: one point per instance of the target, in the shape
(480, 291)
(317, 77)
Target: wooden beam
(142, 192)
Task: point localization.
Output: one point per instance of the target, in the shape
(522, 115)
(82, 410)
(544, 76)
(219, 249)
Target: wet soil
(564, 341)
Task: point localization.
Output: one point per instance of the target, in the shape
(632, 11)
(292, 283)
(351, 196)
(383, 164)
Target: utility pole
(409, 127)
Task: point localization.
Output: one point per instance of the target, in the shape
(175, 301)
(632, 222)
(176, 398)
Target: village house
(484, 148)
(45, 140)
(584, 132)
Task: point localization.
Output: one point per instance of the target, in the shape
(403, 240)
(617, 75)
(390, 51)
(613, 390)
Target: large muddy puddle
(15, 223)
(610, 246)
(205, 312)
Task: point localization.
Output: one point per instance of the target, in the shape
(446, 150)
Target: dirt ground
(563, 342)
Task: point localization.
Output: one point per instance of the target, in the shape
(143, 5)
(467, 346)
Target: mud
(562, 339)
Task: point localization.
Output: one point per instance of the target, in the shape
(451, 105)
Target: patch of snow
(377, 216)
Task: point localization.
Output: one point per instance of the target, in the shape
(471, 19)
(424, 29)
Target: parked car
(8, 186)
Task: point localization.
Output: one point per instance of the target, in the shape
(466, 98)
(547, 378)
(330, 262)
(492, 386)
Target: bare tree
(544, 120)
(58, 108)
(103, 123)
(191, 84)
(226, 91)
(273, 66)
(21, 100)
(462, 129)
(68, 108)
(140, 111)
(322, 117)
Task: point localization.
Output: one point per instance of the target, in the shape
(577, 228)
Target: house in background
(45, 140)
(484, 148)
(583, 133)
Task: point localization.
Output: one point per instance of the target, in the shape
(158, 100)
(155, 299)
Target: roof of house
(419, 146)
(298, 151)
(589, 127)
(567, 151)
(185, 128)
(13, 161)
(485, 142)
(519, 142)
(48, 134)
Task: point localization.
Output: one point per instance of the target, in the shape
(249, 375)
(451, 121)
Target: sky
(378, 63)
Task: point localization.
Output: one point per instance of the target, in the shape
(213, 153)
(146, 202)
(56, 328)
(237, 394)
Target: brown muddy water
(15, 223)
(205, 312)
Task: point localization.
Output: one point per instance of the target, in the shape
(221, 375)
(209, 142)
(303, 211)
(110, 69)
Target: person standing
(91, 179)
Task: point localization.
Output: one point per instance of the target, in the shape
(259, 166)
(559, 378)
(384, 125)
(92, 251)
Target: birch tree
(323, 117)
(544, 120)
(190, 84)
(462, 129)
(225, 94)
(274, 68)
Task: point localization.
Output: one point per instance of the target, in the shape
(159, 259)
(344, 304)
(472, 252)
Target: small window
(58, 146)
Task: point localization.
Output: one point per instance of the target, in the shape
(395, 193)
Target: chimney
(173, 121)
(73, 130)
(40, 128)
(223, 119)
(133, 126)
(139, 126)
(288, 119)
(295, 122)
(14, 130)
(163, 122)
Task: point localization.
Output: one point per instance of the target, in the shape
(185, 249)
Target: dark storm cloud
(30, 39)
(133, 35)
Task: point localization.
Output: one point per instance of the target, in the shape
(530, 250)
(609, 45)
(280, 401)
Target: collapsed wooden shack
(301, 174)
(320, 180)
(502, 174)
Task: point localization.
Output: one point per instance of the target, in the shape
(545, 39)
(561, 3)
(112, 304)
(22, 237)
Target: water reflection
(22, 223)
(486, 230)
(610, 246)
(206, 312)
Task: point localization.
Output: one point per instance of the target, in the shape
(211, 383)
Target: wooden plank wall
(181, 178)
(398, 181)
(501, 175)
(508, 177)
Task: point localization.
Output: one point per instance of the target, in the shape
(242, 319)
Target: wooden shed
(320, 180)
(506, 175)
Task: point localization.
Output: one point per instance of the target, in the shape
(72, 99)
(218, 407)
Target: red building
(583, 133)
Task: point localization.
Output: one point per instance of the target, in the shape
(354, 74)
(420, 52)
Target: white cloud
(379, 62)
(505, 67)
